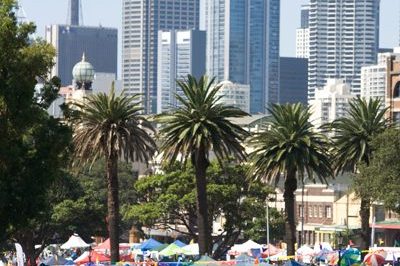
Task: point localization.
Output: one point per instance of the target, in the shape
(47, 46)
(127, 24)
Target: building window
(310, 211)
(315, 211)
(300, 211)
(320, 212)
(328, 211)
(396, 90)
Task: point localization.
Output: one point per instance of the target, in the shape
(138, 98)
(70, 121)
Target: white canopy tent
(74, 242)
(191, 250)
(245, 247)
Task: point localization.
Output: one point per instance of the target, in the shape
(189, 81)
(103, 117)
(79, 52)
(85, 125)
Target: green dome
(83, 71)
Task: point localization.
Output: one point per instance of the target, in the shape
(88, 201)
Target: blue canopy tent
(179, 243)
(292, 263)
(149, 244)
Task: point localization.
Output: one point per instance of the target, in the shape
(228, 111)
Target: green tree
(199, 125)
(111, 127)
(381, 176)
(168, 201)
(352, 146)
(290, 147)
(33, 145)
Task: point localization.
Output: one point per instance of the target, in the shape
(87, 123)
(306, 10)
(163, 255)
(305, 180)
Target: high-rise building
(331, 102)
(293, 80)
(179, 53)
(303, 34)
(393, 87)
(141, 22)
(344, 36)
(100, 44)
(243, 46)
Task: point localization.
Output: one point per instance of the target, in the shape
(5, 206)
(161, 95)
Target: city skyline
(109, 14)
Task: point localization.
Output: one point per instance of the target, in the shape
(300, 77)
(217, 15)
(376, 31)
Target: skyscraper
(141, 22)
(303, 34)
(179, 53)
(243, 46)
(344, 36)
(293, 80)
(100, 44)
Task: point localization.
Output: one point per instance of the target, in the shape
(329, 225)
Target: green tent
(159, 248)
(206, 261)
(171, 250)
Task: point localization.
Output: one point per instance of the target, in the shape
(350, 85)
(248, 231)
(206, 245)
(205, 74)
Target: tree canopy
(166, 200)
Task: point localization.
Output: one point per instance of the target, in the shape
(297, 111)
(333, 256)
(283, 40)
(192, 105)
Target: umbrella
(56, 260)
(191, 250)
(74, 242)
(373, 259)
(94, 257)
(171, 250)
(149, 244)
(350, 257)
(179, 243)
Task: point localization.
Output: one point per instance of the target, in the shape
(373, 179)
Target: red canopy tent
(94, 257)
(102, 247)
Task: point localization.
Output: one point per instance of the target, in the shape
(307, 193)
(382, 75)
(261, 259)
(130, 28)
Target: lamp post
(267, 227)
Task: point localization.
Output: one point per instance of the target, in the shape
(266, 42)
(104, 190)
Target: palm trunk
(290, 223)
(201, 164)
(365, 231)
(113, 206)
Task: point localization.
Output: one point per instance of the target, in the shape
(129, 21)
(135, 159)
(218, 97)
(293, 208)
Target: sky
(108, 13)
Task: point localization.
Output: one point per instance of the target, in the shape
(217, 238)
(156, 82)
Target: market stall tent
(191, 250)
(149, 244)
(74, 242)
(94, 257)
(171, 250)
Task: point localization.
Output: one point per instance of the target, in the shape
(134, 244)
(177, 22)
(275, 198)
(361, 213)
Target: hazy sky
(108, 13)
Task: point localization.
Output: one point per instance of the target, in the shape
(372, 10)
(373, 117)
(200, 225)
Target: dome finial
(83, 57)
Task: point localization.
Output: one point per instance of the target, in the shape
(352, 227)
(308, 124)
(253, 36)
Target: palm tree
(196, 127)
(111, 127)
(289, 147)
(352, 136)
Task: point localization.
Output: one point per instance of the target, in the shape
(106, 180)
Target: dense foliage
(33, 145)
(382, 181)
(168, 201)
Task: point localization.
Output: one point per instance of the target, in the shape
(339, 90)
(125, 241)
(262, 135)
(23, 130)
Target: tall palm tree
(352, 136)
(111, 127)
(289, 147)
(196, 127)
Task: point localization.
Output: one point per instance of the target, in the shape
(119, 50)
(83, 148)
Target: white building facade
(303, 34)
(344, 36)
(331, 102)
(374, 78)
(234, 94)
(179, 53)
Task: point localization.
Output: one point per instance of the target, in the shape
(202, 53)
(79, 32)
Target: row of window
(316, 211)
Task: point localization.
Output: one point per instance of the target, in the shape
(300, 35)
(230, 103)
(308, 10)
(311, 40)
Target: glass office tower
(243, 46)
